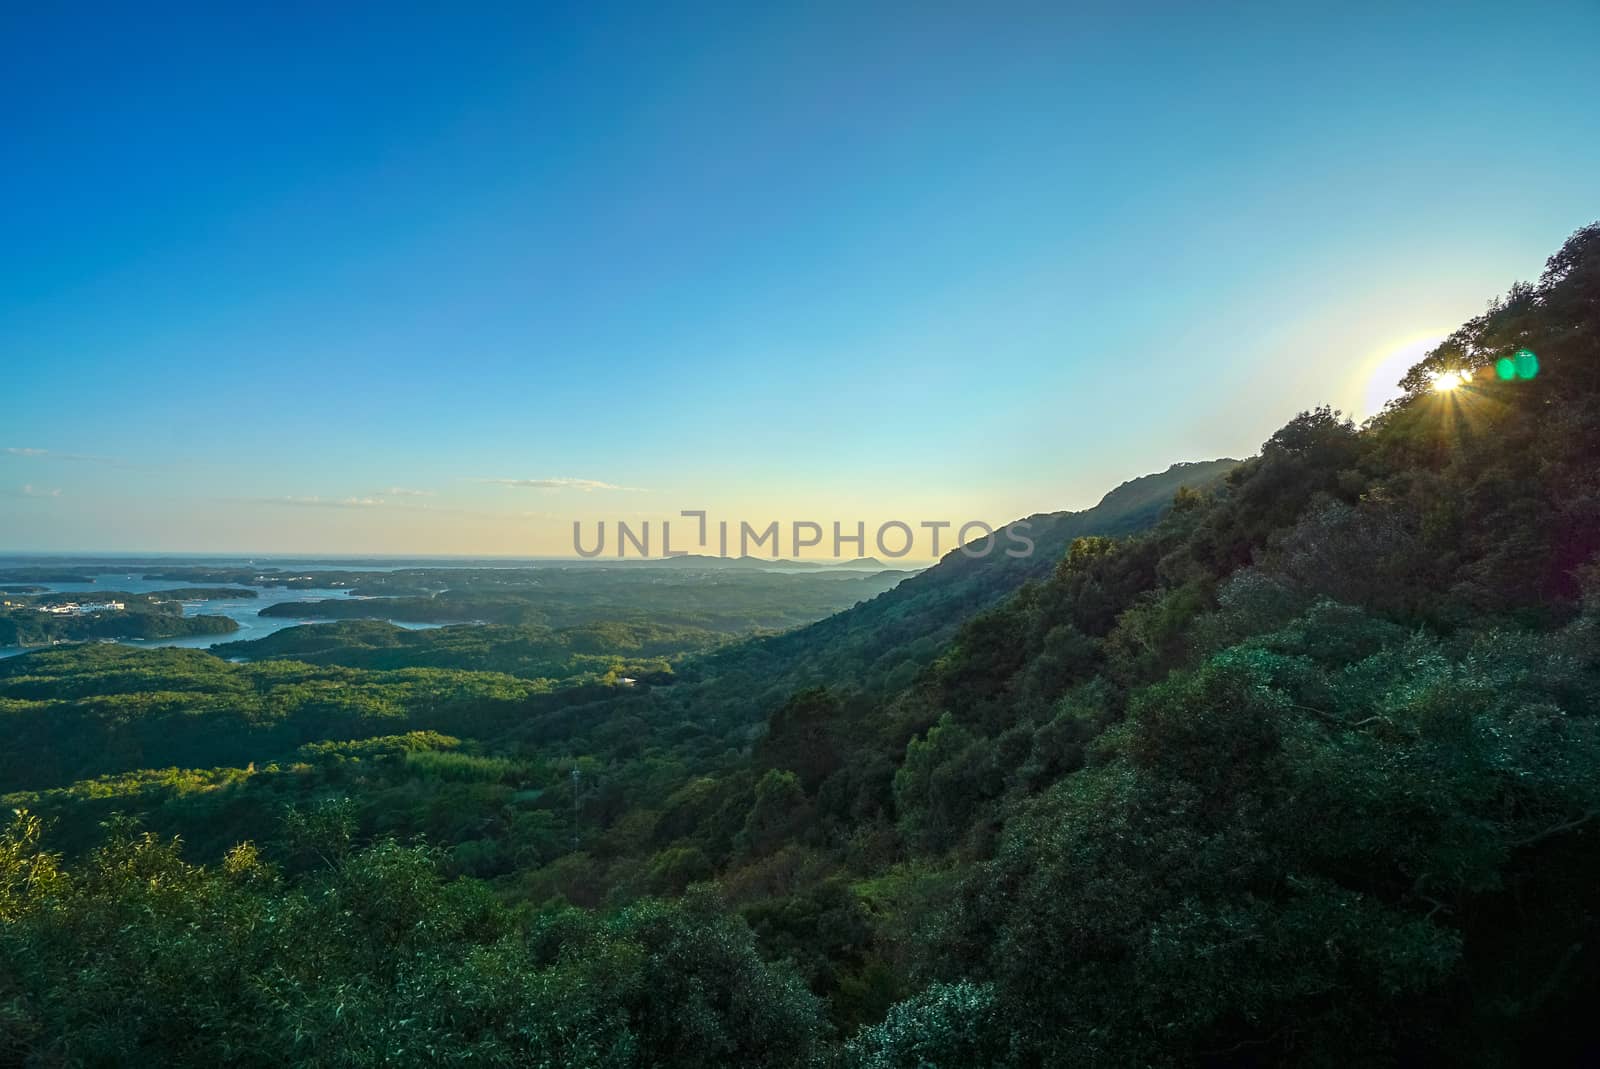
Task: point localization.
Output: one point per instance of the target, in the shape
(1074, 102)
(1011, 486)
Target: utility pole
(575, 775)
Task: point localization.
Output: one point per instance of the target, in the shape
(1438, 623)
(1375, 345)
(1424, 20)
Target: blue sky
(263, 273)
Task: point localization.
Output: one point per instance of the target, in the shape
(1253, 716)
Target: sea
(246, 612)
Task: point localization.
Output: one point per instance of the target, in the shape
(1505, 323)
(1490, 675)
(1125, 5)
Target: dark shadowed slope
(881, 643)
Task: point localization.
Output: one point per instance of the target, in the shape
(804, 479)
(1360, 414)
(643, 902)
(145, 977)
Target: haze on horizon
(340, 283)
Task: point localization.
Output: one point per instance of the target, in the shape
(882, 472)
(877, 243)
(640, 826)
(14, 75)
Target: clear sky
(310, 282)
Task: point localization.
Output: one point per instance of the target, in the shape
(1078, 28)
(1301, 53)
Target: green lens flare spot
(1527, 363)
(1506, 368)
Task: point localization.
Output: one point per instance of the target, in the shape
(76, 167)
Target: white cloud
(409, 500)
(562, 484)
(29, 490)
(20, 451)
(325, 502)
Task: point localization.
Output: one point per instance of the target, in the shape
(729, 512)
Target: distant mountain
(711, 562)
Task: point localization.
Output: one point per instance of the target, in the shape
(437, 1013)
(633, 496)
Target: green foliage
(27, 873)
(590, 653)
(938, 785)
(146, 958)
(948, 1024)
(1243, 856)
(90, 711)
(647, 603)
(778, 813)
(801, 738)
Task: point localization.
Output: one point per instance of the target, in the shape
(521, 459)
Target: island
(205, 593)
(44, 619)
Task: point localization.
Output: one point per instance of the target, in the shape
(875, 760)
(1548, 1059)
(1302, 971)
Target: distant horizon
(603, 558)
(137, 555)
(823, 558)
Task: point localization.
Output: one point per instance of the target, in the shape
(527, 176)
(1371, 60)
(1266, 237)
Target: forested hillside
(1290, 761)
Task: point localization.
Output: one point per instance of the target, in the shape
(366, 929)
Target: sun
(1382, 373)
(1445, 381)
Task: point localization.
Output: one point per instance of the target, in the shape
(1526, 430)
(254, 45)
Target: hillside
(881, 643)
